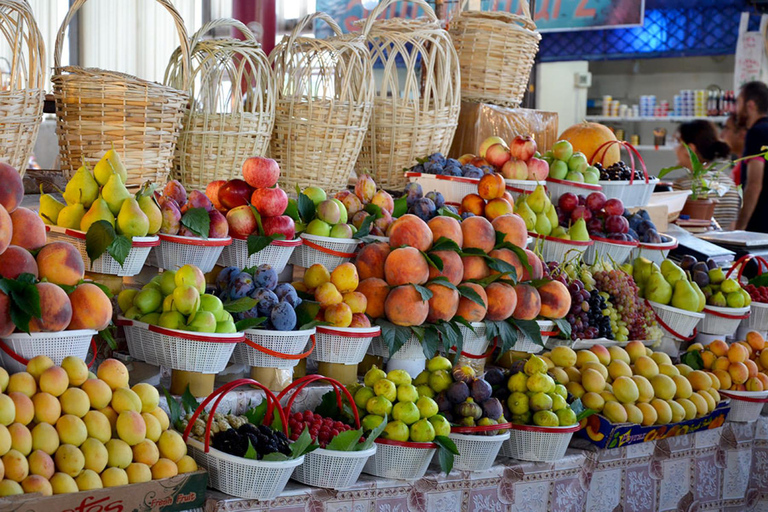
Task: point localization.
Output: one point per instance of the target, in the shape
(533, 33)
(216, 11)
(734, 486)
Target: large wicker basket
(232, 91)
(97, 110)
(21, 94)
(417, 99)
(496, 53)
(324, 103)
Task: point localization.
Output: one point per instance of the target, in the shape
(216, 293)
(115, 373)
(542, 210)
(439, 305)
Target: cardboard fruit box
(604, 434)
(182, 492)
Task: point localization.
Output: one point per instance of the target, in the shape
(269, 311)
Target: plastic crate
(746, 406)
(615, 251)
(633, 194)
(678, 323)
(477, 452)
(758, 317)
(277, 254)
(332, 469)
(557, 249)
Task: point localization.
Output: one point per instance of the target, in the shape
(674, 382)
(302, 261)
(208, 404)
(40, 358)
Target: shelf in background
(670, 119)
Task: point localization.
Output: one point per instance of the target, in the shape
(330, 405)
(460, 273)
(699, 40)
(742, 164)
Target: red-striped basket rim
(137, 241)
(349, 332)
(406, 444)
(187, 335)
(280, 355)
(576, 184)
(480, 429)
(19, 359)
(667, 328)
(550, 430)
(514, 186)
(277, 243)
(576, 243)
(196, 241)
(717, 311)
(743, 398)
(633, 243)
(672, 244)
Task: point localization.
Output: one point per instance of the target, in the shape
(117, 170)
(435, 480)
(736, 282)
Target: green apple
(578, 162)
(172, 320)
(167, 282)
(202, 321)
(212, 304)
(562, 150)
(318, 228)
(343, 214)
(575, 176)
(227, 327)
(316, 194)
(558, 170)
(148, 300)
(341, 231)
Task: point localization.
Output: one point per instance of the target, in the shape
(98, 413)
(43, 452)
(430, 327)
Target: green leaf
(530, 329)
(425, 293)
(463, 322)
(188, 401)
(372, 436)
(275, 457)
(469, 293)
(302, 445)
(472, 251)
(329, 406)
(24, 300)
(174, 408)
(256, 414)
(68, 288)
(98, 237)
(394, 336)
(418, 331)
(257, 243)
(401, 207)
(374, 210)
(491, 279)
(251, 452)
(27, 278)
(240, 305)
(197, 221)
(666, 170)
(277, 423)
(307, 311)
(446, 450)
(445, 244)
(107, 334)
(345, 441)
(430, 342)
(506, 334)
(433, 260)
(443, 281)
(249, 323)
(564, 327)
(365, 228)
(693, 359)
(292, 210)
(519, 252)
(445, 212)
(311, 325)
(306, 208)
(502, 266)
(257, 216)
(119, 248)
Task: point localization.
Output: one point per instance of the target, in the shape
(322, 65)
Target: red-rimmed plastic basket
(177, 349)
(330, 469)
(557, 249)
(17, 349)
(538, 444)
(329, 252)
(557, 188)
(343, 345)
(723, 321)
(746, 406)
(632, 193)
(400, 460)
(277, 254)
(273, 349)
(238, 476)
(654, 252)
(176, 251)
(475, 342)
(758, 316)
(105, 264)
(525, 345)
(411, 349)
(678, 323)
(477, 449)
(617, 251)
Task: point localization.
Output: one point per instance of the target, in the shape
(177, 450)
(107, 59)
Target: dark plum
(480, 390)
(458, 392)
(413, 192)
(470, 171)
(467, 215)
(492, 408)
(517, 366)
(423, 208)
(265, 277)
(433, 168)
(225, 277)
(436, 198)
(241, 286)
(287, 293)
(283, 317)
(267, 300)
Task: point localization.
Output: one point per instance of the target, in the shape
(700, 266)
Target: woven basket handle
(224, 22)
(310, 18)
(177, 20)
(385, 4)
(32, 38)
(338, 387)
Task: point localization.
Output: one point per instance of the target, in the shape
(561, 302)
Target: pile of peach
(740, 366)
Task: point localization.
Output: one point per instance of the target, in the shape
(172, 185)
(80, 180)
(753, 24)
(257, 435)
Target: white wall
(555, 91)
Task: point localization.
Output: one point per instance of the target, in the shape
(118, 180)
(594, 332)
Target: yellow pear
(152, 211)
(110, 163)
(71, 216)
(131, 221)
(114, 193)
(50, 207)
(99, 211)
(82, 188)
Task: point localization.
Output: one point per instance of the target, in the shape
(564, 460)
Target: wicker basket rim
(102, 74)
(501, 20)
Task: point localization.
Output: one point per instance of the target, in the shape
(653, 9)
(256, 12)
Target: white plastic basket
(411, 350)
(525, 345)
(477, 452)
(557, 188)
(400, 461)
(329, 252)
(633, 194)
(332, 469)
(475, 343)
(343, 345)
(258, 343)
(517, 188)
(615, 250)
(654, 252)
(176, 251)
(758, 317)
(17, 349)
(677, 322)
(723, 321)
(179, 350)
(538, 444)
(277, 254)
(557, 249)
(106, 264)
(746, 406)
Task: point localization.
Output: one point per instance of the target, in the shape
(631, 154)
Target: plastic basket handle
(177, 20)
(303, 382)
(632, 154)
(669, 329)
(224, 22)
(385, 4)
(741, 263)
(320, 248)
(16, 357)
(280, 355)
(482, 356)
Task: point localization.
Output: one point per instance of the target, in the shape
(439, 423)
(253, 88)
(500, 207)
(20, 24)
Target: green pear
(578, 231)
(131, 221)
(552, 216)
(716, 275)
(671, 272)
(684, 296)
(718, 300)
(543, 227)
(109, 164)
(537, 200)
(152, 211)
(133, 313)
(99, 210)
(642, 270)
(71, 216)
(560, 232)
(168, 282)
(50, 207)
(700, 295)
(527, 215)
(657, 289)
(626, 268)
(150, 318)
(203, 321)
(115, 193)
(82, 188)
(172, 320)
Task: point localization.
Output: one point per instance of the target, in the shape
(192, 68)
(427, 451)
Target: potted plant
(704, 179)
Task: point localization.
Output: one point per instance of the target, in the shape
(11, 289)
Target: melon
(588, 137)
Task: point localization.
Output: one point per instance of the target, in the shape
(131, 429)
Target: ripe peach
(114, 373)
(16, 261)
(6, 324)
(537, 267)
(406, 265)
(24, 407)
(360, 320)
(719, 348)
(528, 302)
(443, 304)
(404, 306)
(475, 267)
(497, 207)
(411, 231)
(513, 227)
(47, 408)
(6, 229)
(755, 340)
(453, 266)
(447, 227)
(22, 382)
(370, 260)
(91, 308)
(375, 291)
(54, 380)
(56, 309)
(338, 315)
(510, 257)
(40, 463)
(739, 373)
(60, 263)
(478, 233)
(28, 229)
(472, 203)
(12, 191)
(555, 300)
(491, 186)
(502, 301)
(470, 310)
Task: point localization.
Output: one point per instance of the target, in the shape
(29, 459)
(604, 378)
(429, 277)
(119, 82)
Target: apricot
(360, 320)
(761, 377)
(404, 306)
(75, 401)
(646, 367)
(446, 227)
(186, 465)
(164, 468)
(63, 484)
(124, 399)
(406, 265)
(528, 302)
(146, 452)
(88, 481)
(119, 452)
(700, 380)
(345, 277)
(71, 430)
(60, 263)
(36, 483)
(496, 208)
(469, 310)
(98, 426)
(148, 395)
(28, 229)
(635, 349)
(91, 308)
(370, 260)
(16, 261)
(478, 233)
(45, 438)
(751, 367)
(37, 365)
(715, 381)
(644, 388)
(443, 304)
(21, 438)
(16, 466)
(719, 348)
(721, 363)
(754, 339)
(327, 294)
(376, 291)
(7, 409)
(23, 406)
(76, 369)
(753, 384)
(98, 391)
(453, 266)
(411, 231)
(739, 373)
(161, 417)
(724, 377)
(737, 353)
(472, 203)
(502, 301)
(475, 267)
(599, 368)
(54, 380)
(603, 356)
(555, 300)
(114, 373)
(513, 228)
(171, 445)
(114, 477)
(338, 315)
(316, 275)
(618, 369)
(619, 354)
(138, 472)
(537, 267)
(40, 463)
(510, 257)
(47, 408)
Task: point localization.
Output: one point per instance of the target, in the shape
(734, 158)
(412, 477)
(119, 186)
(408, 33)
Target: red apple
(581, 212)
(219, 227)
(614, 206)
(497, 155)
(280, 224)
(235, 193)
(515, 169)
(261, 172)
(241, 221)
(212, 191)
(270, 202)
(538, 169)
(523, 147)
(595, 201)
(568, 202)
(487, 143)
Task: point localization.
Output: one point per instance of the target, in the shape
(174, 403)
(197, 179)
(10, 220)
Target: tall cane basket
(324, 103)
(21, 91)
(97, 110)
(417, 98)
(232, 106)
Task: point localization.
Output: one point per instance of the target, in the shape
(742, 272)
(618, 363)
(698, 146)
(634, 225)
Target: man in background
(752, 110)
